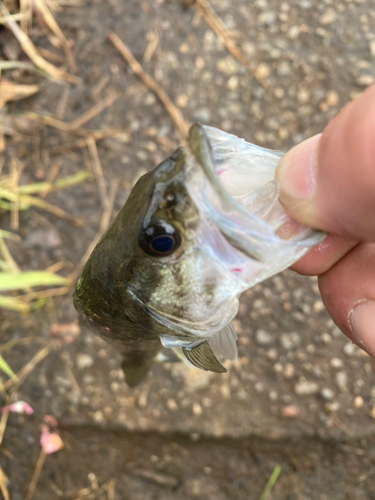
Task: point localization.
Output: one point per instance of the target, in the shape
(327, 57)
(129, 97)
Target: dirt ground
(300, 396)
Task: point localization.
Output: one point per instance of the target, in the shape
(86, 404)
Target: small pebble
(232, 83)
(328, 17)
(278, 368)
(326, 338)
(263, 338)
(272, 354)
(365, 80)
(306, 388)
(227, 65)
(350, 349)
(341, 380)
(331, 407)
(273, 395)
(172, 405)
(267, 17)
(262, 71)
(98, 417)
(303, 96)
(290, 341)
(84, 361)
(259, 387)
(336, 363)
(332, 100)
(197, 409)
(327, 394)
(289, 371)
(290, 411)
(358, 402)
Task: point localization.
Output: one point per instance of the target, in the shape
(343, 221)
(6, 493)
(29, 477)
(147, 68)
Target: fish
(201, 228)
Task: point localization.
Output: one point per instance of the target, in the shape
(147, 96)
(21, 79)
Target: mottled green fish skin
(131, 297)
(115, 271)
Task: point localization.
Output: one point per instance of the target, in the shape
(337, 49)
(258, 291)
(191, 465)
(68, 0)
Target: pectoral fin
(202, 357)
(223, 343)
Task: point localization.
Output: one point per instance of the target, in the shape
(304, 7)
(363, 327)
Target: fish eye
(160, 240)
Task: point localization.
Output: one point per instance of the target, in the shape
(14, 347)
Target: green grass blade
(13, 304)
(9, 235)
(271, 482)
(63, 183)
(6, 368)
(27, 279)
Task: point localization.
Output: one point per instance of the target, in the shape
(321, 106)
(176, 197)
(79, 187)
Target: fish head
(173, 275)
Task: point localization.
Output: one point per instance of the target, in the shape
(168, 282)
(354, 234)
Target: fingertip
(324, 255)
(296, 172)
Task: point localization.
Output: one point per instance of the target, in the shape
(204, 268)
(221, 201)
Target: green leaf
(27, 279)
(6, 368)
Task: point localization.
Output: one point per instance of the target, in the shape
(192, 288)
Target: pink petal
(51, 442)
(18, 407)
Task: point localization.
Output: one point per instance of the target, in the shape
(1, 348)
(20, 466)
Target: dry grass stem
(217, 26)
(4, 484)
(34, 480)
(340, 425)
(90, 494)
(20, 377)
(6, 256)
(104, 223)
(99, 86)
(153, 42)
(97, 167)
(170, 107)
(22, 341)
(50, 177)
(59, 212)
(67, 127)
(15, 17)
(14, 214)
(81, 143)
(47, 54)
(54, 27)
(10, 91)
(26, 10)
(60, 111)
(95, 110)
(30, 49)
(48, 120)
(3, 425)
(2, 145)
(43, 294)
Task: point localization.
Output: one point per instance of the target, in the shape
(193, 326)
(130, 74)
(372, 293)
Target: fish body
(170, 269)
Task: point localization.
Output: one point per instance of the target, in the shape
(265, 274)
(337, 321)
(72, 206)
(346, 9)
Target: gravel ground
(299, 390)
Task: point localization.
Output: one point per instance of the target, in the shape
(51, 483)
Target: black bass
(197, 231)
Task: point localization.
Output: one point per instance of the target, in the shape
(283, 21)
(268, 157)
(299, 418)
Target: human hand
(328, 182)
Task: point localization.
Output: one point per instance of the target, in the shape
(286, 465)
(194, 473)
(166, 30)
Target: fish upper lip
(246, 231)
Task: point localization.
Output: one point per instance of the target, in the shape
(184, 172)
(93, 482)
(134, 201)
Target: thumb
(328, 181)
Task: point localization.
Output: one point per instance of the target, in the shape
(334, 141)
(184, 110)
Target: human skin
(328, 182)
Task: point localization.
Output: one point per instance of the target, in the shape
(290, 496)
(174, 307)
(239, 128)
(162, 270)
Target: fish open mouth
(233, 186)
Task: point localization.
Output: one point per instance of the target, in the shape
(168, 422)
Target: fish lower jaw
(201, 330)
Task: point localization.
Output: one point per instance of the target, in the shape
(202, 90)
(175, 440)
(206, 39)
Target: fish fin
(134, 374)
(202, 357)
(223, 343)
